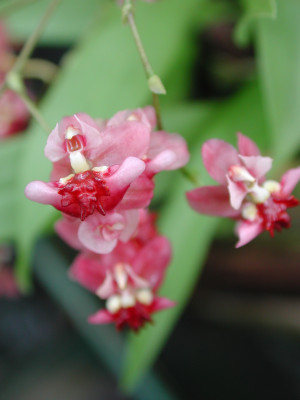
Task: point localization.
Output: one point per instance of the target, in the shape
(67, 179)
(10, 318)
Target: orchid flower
(244, 193)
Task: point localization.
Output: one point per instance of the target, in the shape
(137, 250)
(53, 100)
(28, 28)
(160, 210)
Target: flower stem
(34, 37)
(154, 83)
(9, 7)
(14, 80)
(32, 108)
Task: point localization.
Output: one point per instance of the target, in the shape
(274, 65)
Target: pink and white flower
(101, 164)
(244, 193)
(127, 279)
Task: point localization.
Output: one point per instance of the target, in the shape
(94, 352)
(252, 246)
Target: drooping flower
(92, 168)
(127, 278)
(101, 164)
(244, 193)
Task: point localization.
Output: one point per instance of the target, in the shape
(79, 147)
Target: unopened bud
(155, 85)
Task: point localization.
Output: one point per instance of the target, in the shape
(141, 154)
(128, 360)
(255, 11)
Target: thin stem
(145, 61)
(32, 41)
(14, 80)
(155, 100)
(10, 6)
(190, 176)
(35, 112)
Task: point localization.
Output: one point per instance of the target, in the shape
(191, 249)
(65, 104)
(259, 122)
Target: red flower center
(133, 317)
(273, 212)
(84, 193)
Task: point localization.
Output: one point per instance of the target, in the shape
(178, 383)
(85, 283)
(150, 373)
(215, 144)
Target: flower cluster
(244, 193)
(14, 115)
(102, 182)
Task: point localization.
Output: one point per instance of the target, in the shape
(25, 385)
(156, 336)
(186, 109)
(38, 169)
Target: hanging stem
(154, 82)
(155, 85)
(9, 7)
(34, 37)
(14, 80)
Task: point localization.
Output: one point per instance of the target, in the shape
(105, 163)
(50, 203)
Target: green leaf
(10, 150)
(253, 10)
(101, 76)
(190, 234)
(279, 67)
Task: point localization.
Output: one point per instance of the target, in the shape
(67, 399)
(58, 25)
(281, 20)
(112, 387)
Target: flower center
(84, 192)
(131, 306)
(273, 213)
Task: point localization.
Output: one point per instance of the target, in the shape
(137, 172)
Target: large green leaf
(253, 9)
(10, 150)
(190, 234)
(279, 67)
(101, 76)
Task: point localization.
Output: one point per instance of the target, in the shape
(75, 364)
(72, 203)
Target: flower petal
(212, 200)
(218, 156)
(88, 271)
(101, 317)
(247, 231)
(67, 229)
(42, 192)
(131, 139)
(246, 146)
(152, 261)
(258, 166)
(161, 142)
(161, 303)
(237, 193)
(289, 180)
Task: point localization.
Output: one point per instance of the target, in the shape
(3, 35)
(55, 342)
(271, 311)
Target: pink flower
(244, 194)
(14, 116)
(98, 233)
(128, 277)
(92, 167)
(99, 164)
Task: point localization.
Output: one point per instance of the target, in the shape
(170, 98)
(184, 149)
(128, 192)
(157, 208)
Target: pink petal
(237, 193)
(162, 141)
(218, 156)
(152, 261)
(61, 169)
(42, 192)
(128, 171)
(258, 166)
(145, 115)
(86, 126)
(139, 193)
(247, 231)
(131, 224)
(90, 232)
(88, 271)
(289, 180)
(67, 229)
(101, 317)
(161, 303)
(131, 139)
(107, 288)
(246, 146)
(163, 161)
(211, 200)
